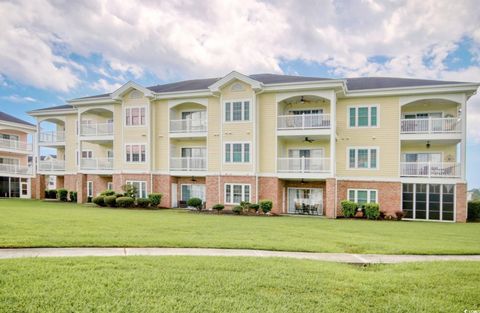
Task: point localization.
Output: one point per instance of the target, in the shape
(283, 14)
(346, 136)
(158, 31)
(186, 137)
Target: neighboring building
(16, 149)
(306, 143)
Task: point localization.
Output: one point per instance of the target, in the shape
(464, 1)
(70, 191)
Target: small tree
(129, 191)
(155, 199)
(196, 203)
(266, 205)
(245, 206)
(218, 207)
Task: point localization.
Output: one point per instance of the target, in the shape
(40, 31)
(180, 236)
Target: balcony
(188, 164)
(431, 128)
(51, 166)
(430, 169)
(100, 164)
(14, 169)
(303, 124)
(52, 137)
(296, 167)
(189, 127)
(96, 130)
(15, 146)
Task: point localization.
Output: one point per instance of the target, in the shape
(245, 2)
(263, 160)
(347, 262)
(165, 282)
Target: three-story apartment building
(304, 142)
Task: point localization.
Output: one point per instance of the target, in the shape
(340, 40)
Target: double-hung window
(140, 186)
(363, 158)
(135, 116)
(363, 116)
(237, 111)
(236, 193)
(362, 196)
(135, 153)
(87, 154)
(237, 152)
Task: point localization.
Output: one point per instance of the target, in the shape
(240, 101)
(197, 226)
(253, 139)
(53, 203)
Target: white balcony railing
(188, 126)
(188, 164)
(303, 121)
(16, 169)
(96, 164)
(15, 145)
(97, 129)
(430, 169)
(51, 166)
(51, 136)
(303, 165)
(431, 125)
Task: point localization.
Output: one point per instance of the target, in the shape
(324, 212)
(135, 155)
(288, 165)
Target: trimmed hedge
(197, 203)
(99, 200)
(372, 211)
(266, 205)
(110, 201)
(125, 202)
(107, 193)
(51, 194)
(143, 202)
(473, 210)
(155, 199)
(218, 207)
(62, 194)
(255, 207)
(348, 208)
(73, 196)
(237, 209)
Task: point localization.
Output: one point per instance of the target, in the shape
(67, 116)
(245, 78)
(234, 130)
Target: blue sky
(51, 52)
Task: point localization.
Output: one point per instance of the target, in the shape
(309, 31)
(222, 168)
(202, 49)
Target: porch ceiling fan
(303, 100)
(309, 140)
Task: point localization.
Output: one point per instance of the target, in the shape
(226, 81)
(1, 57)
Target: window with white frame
(237, 111)
(363, 158)
(87, 154)
(135, 116)
(236, 193)
(193, 191)
(237, 152)
(135, 153)
(140, 186)
(363, 116)
(362, 196)
(89, 188)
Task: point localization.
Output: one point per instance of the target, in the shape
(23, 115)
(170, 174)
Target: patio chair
(298, 207)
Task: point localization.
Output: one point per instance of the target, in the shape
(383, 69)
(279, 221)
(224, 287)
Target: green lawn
(207, 284)
(27, 223)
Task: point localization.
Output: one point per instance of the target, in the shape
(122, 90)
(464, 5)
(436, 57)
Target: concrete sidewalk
(328, 257)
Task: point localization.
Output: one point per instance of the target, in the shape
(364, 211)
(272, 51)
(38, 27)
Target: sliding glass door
(429, 201)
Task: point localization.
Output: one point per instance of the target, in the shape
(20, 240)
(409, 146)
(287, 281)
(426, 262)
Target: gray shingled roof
(12, 119)
(58, 107)
(365, 83)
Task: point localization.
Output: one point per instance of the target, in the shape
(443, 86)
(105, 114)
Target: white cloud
(103, 85)
(18, 99)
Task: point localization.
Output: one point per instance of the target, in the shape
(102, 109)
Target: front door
(24, 188)
(305, 201)
(174, 196)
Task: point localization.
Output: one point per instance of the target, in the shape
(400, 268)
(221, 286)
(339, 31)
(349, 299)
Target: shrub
(125, 202)
(245, 206)
(73, 196)
(348, 208)
(399, 215)
(107, 193)
(143, 202)
(266, 205)
(155, 199)
(62, 194)
(51, 194)
(255, 207)
(237, 209)
(110, 201)
(118, 195)
(372, 211)
(89, 199)
(218, 207)
(196, 203)
(129, 191)
(99, 200)
(473, 210)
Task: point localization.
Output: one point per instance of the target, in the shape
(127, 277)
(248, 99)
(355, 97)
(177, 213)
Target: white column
(463, 145)
(333, 128)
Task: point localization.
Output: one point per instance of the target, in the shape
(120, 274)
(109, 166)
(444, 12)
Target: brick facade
(461, 203)
(40, 186)
(389, 193)
(163, 185)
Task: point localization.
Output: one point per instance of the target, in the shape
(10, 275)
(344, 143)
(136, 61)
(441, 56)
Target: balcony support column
(463, 144)
(333, 132)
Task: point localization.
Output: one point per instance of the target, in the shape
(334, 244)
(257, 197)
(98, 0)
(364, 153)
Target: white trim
(131, 153)
(90, 189)
(369, 148)
(234, 75)
(231, 190)
(231, 143)
(140, 107)
(243, 120)
(176, 102)
(357, 107)
(120, 92)
(356, 190)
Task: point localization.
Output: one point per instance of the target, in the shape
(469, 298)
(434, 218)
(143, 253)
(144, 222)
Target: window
(237, 152)
(362, 196)
(141, 187)
(135, 153)
(429, 201)
(87, 154)
(89, 188)
(135, 116)
(237, 111)
(109, 185)
(363, 116)
(193, 191)
(236, 193)
(9, 137)
(110, 153)
(359, 158)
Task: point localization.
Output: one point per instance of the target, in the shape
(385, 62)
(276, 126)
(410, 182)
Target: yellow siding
(449, 151)
(161, 126)
(386, 137)
(214, 148)
(71, 143)
(267, 132)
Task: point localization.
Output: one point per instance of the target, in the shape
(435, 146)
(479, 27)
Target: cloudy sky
(51, 51)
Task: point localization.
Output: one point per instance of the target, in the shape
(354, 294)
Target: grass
(207, 284)
(28, 223)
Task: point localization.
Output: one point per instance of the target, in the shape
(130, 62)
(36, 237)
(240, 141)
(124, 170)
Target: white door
(174, 196)
(305, 201)
(24, 188)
